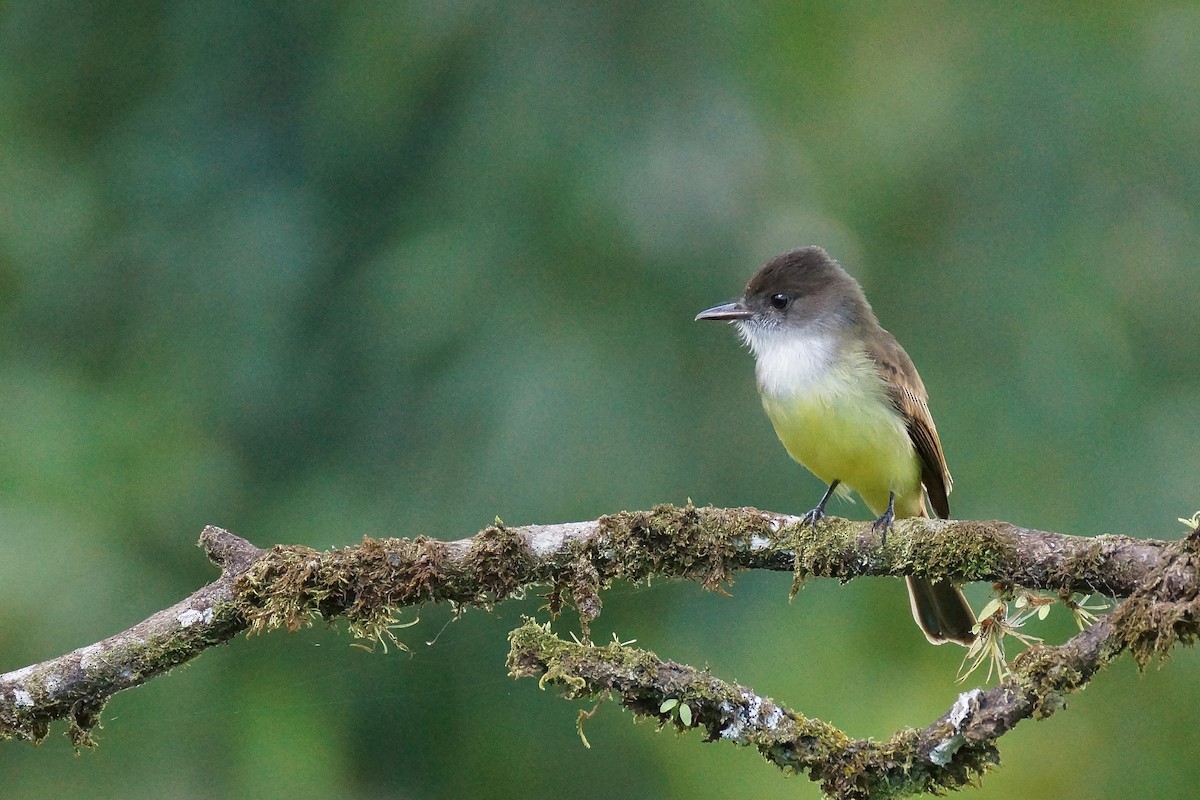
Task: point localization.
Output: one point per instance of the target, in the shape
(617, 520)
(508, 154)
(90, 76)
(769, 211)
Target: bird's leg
(817, 514)
(884, 523)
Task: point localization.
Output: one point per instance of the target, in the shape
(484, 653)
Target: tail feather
(941, 611)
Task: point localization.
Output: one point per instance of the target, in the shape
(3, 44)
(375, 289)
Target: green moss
(85, 716)
(824, 552)
(533, 638)
(668, 540)
(933, 549)
(1165, 610)
(291, 587)
(1086, 560)
(498, 563)
(1150, 628)
(707, 545)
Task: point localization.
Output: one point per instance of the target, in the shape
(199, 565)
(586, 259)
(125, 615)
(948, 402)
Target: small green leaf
(994, 605)
(685, 715)
(667, 705)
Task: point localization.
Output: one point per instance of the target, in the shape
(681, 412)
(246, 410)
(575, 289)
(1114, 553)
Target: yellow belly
(846, 430)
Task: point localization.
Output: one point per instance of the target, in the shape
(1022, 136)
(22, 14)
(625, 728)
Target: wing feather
(907, 393)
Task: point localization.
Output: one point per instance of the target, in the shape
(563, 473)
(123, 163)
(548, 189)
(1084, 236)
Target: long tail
(941, 611)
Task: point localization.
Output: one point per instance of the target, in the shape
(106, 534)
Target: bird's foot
(884, 523)
(811, 518)
(817, 514)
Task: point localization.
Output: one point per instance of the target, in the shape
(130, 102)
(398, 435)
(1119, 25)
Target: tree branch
(290, 586)
(948, 754)
(77, 685)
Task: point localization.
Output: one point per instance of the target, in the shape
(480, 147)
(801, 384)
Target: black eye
(780, 301)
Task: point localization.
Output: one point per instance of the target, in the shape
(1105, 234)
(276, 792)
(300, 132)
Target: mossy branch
(290, 586)
(950, 753)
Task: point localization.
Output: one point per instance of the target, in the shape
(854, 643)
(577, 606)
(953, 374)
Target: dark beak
(729, 311)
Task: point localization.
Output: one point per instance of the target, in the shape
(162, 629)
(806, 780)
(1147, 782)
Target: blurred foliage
(314, 271)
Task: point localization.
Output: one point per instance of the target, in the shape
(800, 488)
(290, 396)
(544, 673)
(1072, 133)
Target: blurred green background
(312, 271)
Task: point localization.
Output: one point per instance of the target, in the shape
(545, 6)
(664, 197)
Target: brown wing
(907, 392)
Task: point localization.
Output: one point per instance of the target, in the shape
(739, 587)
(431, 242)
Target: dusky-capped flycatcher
(848, 404)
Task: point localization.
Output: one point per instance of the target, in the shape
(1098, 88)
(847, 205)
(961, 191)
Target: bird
(848, 404)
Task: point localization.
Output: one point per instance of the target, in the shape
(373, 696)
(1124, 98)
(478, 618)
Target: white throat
(790, 362)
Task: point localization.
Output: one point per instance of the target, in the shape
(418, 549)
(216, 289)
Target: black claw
(814, 516)
(811, 518)
(884, 523)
